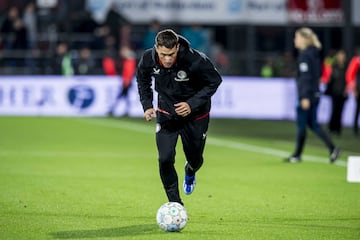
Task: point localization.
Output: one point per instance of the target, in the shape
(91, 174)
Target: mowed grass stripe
(240, 194)
(211, 140)
(61, 154)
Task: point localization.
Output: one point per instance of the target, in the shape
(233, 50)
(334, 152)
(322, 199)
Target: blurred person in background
(308, 81)
(185, 80)
(198, 37)
(285, 65)
(267, 70)
(85, 64)
(62, 62)
(109, 60)
(20, 35)
(20, 42)
(108, 63)
(101, 36)
(336, 89)
(220, 58)
(30, 24)
(327, 64)
(353, 82)
(14, 37)
(128, 68)
(149, 37)
(8, 27)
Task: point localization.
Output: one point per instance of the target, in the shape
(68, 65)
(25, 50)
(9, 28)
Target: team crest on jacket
(156, 71)
(303, 67)
(181, 76)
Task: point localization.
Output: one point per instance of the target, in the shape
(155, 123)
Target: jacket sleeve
(351, 72)
(305, 76)
(129, 67)
(211, 80)
(326, 73)
(144, 83)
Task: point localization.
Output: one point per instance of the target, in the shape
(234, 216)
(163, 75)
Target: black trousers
(308, 118)
(123, 93)
(337, 102)
(193, 137)
(357, 113)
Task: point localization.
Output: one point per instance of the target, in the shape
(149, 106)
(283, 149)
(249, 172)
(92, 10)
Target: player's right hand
(305, 103)
(149, 114)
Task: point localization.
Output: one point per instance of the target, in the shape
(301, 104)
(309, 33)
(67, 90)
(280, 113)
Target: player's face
(299, 41)
(167, 56)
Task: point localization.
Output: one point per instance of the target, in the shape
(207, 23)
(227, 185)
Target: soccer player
(185, 80)
(307, 80)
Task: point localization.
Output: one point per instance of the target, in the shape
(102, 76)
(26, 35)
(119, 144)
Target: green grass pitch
(97, 178)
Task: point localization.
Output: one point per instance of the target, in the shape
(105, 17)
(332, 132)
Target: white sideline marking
(268, 151)
(211, 140)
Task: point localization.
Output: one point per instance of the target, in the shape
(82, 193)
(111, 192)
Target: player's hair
(310, 37)
(166, 38)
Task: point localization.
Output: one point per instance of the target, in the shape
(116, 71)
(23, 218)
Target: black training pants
(356, 114)
(193, 136)
(337, 102)
(309, 118)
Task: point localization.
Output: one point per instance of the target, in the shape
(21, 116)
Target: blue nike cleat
(189, 184)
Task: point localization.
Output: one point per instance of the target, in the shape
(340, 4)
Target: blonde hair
(310, 37)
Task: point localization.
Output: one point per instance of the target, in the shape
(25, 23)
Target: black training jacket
(192, 79)
(308, 74)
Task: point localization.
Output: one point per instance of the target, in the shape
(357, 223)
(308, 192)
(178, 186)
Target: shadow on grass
(133, 230)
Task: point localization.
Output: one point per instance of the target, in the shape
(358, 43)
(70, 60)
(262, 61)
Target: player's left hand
(182, 109)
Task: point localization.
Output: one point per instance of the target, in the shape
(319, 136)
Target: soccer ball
(171, 217)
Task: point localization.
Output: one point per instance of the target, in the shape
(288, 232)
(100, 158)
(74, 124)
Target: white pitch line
(211, 140)
(267, 151)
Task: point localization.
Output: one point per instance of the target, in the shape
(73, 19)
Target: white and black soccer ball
(171, 217)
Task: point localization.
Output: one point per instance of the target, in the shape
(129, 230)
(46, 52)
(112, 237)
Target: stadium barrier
(237, 97)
